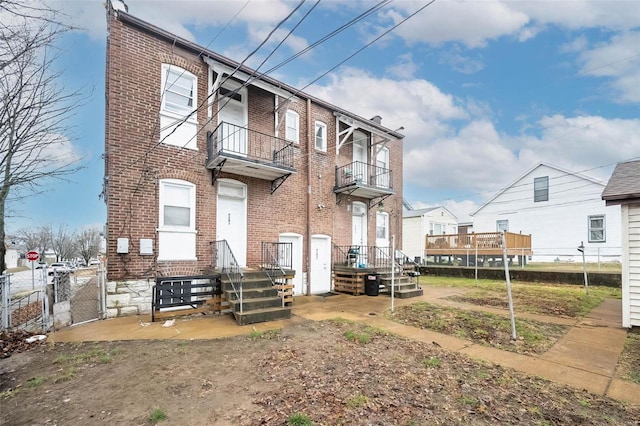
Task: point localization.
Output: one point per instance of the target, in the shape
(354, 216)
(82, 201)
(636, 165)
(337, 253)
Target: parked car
(94, 262)
(41, 265)
(59, 268)
(71, 266)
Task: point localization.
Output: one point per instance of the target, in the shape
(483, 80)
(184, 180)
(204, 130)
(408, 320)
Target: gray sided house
(623, 189)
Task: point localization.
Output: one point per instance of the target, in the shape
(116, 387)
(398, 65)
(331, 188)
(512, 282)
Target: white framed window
(436, 228)
(321, 136)
(179, 94)
(541, 189)
(382, 226)
(179, 99)
(292, 131)
(597, 231)
(177, 217)
(502, 225)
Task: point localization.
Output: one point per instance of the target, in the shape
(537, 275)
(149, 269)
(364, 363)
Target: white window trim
(323, 148)
(604, 228)
(192, 206)
(296, 119)
(385, 217)
(163, 88)
(536, 190)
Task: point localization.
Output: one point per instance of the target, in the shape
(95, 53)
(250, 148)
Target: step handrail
(274, 262)
(226, 261)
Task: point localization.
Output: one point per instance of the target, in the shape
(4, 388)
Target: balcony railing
(229, 140)
(362, 175)
(480, 243)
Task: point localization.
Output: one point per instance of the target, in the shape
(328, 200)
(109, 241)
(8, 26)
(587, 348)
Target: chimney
(377, 119)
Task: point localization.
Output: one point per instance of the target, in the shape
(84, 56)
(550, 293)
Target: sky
(485, 89)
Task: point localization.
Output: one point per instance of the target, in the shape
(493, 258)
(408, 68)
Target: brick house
(194, 154)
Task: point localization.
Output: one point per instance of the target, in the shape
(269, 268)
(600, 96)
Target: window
(292, 126)
(502, 225)
(541, 189)
(178, 90)
(382, 226)
(321, 136)
(436, 229)
(597, 229)
(177, 231)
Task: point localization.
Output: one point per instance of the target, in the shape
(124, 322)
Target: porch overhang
(364, 191)
(243, 166)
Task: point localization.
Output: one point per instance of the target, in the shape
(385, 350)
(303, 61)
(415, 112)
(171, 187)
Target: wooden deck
(480, 244)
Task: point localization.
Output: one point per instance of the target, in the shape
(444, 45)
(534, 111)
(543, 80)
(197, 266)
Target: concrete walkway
(585, 358)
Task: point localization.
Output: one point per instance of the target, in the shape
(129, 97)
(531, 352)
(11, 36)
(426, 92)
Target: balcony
(245, 152)
(364, 180)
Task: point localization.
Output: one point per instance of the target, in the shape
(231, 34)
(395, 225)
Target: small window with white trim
(597, 230)
(177, 204)
(541, 189)
(178, 90)
(382, 226)
(292, 126)
(321, 136)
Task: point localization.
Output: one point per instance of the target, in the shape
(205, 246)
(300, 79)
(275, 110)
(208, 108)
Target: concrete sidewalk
(585, 358)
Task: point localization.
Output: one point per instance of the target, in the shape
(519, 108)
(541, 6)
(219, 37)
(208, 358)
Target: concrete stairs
(261, 302)
(405, 284)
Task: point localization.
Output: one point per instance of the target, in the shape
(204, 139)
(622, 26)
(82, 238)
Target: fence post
(4, 292)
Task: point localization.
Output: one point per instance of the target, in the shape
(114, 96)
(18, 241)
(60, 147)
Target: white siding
(631, 267)
(412, 237)
(556, 226)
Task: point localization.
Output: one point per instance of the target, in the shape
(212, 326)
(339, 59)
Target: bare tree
(88, 243)
(34, 107)
(63, 243)
(38, 239)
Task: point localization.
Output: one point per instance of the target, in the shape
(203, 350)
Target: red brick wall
(135, 162)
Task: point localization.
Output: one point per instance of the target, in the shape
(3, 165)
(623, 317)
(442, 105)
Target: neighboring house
(561, 210)
(194, 154)
(417, 224)
(623, 190)
(11, 257)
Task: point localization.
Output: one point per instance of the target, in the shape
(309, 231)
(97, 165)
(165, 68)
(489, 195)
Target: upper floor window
(321, 136)
(178, 90)
(597, 229)
(177, 205)
(541, 189)
(502, 225)
(292, 126)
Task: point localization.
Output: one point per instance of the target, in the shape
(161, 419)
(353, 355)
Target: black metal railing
(362, 174)
(275, 257)
(226, 263)
(229, 139)
(356, 256)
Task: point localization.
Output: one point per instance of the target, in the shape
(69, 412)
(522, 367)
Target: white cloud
(404, 69)
(459, 62)
(619, 59)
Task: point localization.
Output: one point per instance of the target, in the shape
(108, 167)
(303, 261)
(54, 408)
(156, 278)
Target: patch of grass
(269, 334)
(629, 361)
(341, 321)
(157, 415)
(299, 419)
(357, 401)
(360, 337)
(34, 382)
(485, 328)
(9, 393)
(95, 354)
(65, 376)
(432, 362)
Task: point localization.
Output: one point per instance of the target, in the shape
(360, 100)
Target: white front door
(359, 223)
(320, 264)
(382, 229)
(296, 253)
(382, 169)
(360, 143)
(231, 218)
(232, 104)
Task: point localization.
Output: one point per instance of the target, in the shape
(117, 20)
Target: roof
(204, 52)
(624, 184)
(541, 164)
(422, 212)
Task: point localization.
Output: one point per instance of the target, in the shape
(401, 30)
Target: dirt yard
(328, 373)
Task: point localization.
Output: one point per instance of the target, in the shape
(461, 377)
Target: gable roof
(540, 164)
(422, 212)
(624, 184)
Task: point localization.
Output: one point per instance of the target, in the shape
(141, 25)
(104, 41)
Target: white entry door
(360, 143)
(320, 264)
(231, 218)
(232, 105)
(359, 224)
(296, 249)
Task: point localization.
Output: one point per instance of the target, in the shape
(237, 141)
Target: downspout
(308, 196)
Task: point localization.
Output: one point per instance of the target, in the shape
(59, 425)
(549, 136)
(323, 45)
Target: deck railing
(225, 261)
(360, 173)
(255, 146)
(483, 241)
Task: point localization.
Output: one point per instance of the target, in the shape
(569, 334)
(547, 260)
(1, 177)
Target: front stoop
(260, 299)
(405, 287)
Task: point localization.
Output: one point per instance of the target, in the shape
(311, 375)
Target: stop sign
(32, 255)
